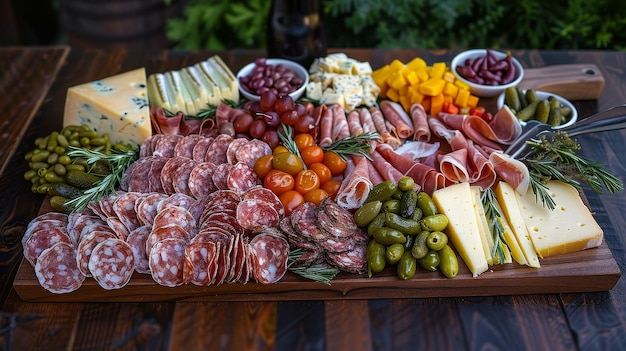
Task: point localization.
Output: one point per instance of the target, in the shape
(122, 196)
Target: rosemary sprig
(286, 137)
(354, 145)
(118, 162)
(494, 218)
(318, 273)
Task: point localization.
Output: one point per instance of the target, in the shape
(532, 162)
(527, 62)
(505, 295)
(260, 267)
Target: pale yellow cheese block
(117, 106)
(569, 227)
(510, 239)
(457, 204)
(483, 225)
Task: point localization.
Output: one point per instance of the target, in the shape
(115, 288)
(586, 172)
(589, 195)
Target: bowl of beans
(272, 74)
(487, 72)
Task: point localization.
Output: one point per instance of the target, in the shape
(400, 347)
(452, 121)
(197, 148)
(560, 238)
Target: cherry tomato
(263, 165)
(332, 187)
(279, 150)
(323, 172)
(287, 162)
(291, 199)
(278, 181)
(306, 180)
(334, 162)
(316, 196)
(303, 140)
(312, 154)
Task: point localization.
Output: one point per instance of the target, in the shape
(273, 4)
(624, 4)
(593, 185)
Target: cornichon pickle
(531, 95)
(436, 222)
(426, 204)
(393, 253)
(407, 266)
(430, 262)
(437, 240)
(397, 194)
(527, 112)
(375, 256)
(408, 201)
(417, 214)
(81, 180)
(58, 204)
(377, 222)
(420, 249)
(65, 190)
(554, 118)
(448, 263)
(543, 111)
(406, 183)
(388, 236)
(408, 245)
(365, 214)
(391, 205)
(404, 225)
(382, 191)
(511, 98)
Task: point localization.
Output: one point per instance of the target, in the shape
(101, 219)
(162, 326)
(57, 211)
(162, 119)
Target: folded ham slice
(394, 113)
(512, 171)
(420, 123)
(356, 186)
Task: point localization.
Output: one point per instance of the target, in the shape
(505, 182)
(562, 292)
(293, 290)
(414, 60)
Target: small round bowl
(482, 90)
(298, 69)
(544, 95)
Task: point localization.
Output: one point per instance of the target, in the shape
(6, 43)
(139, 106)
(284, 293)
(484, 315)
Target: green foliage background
(425, 24)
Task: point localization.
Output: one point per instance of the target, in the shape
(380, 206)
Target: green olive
(28, 175)
(417, 214)
(40, 156)
(437, 240)
(64, 160)
(406, 266)
(406, 183)
(393, 253)
(62, 140)
(430, 262)
(388, 236)
(59, 169)
(448, 263)
(365, 214)
(392, 206)
(420, 249)
(426, 204)
(436, 222)
(53, 158)
(375, 256)
(382, 191)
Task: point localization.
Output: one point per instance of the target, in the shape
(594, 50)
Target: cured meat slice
(267, 195)
(105, 204)
(137, 240)
(331, 227)
(127, 177)
(340, 123)
(255, 214)
(251, 151)
(146, 147)
(386, 169)
(168, 173)
(353, 261)
(50, 215)
(184, 148)
(118, 227)
(336, 244)
(420, 123)
(124, 208)
(85, 248)
(202, 256)
(242, 178)
(181, 177)
(147, 207)
(240, 260)
(201, 180)
(235, 263)
(112, 263)
(514, 172)
(355, 188)
(269, 255)
(304, 222)
(294, 238)
(34, 226)
(136, 176)
(169, 265)
(220, 176)
(379, 122)
(309, 257)
(199, 151)
(165, 144)
(177, 199)
(179, 216)
(197, 208)
(170, 231)
(42, 239)
(226, 220)
(338, 215)
(154, 175)
(397, 116)
(231, 152)
(92, 227)
(56, 269)
(216, 152)
(354, 123)
(223, 262)
(326, 128)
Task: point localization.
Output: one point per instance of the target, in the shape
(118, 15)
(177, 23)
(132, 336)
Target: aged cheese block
(569, 227)
(117, 106)
(457, 203)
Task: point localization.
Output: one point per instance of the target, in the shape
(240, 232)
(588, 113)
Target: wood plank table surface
(32, 94)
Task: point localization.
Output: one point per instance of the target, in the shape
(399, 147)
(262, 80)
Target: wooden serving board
(571, 81)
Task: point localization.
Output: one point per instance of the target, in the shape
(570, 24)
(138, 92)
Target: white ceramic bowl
(298, 69)
(482, 90)
(544, 95)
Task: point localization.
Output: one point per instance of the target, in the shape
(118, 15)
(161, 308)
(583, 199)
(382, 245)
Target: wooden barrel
(117, 23)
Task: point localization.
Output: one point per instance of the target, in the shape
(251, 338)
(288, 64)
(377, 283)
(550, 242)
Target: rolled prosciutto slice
(512, 171)
(355, 188)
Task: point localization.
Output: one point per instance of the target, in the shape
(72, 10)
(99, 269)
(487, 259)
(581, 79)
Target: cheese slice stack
(117, 106)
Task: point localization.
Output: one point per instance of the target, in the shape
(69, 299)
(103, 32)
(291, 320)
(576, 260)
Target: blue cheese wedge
(117, 106)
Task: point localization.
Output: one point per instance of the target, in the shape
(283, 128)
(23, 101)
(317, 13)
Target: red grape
(242, 123)
(284, 103)
(268, 100)
(257, 128)
(289, 117)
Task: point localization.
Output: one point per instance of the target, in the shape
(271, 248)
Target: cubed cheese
(116, 105)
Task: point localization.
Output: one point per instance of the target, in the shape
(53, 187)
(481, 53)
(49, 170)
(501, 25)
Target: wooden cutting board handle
(571, 81)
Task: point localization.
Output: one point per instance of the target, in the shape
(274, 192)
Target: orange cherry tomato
(278, 181)
(290, 200)
(303, 140)
(279, 150)
(312, 154)
(316, 196)
(334, 162)
(263, 165)
(287, 162)
(323, 172)
(306, 180)
(332, 187)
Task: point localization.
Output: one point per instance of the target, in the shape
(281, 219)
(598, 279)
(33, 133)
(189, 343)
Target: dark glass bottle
(295, 31)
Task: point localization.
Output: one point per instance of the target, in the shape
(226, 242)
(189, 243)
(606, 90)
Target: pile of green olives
(405, 231)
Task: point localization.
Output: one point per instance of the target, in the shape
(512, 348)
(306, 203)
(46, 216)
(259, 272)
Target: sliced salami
(184, 148)
(137, 241)
(225, 220)
(164, 145)
(216, 152)
(176, 215)
(124, 208)
(338, 215)
(202, 256)
(332, 228)
(201, 180)
(105, 204)
(253, 214)
(251, 151)
(147, 207)
(56, 269)
(353, 261)
(231, 152)
(269, 255)
(197, 209)
(242, 178)
(199, 150)
(294, 238)
(223, 262)
(177, 199)
(49, 215)
(168, 232)
(181, 177)
(85, 248)
(34, 226)
(304, 222)
(112, 263)
(92, 227)
(334, 244)
(168, 173)
(210, 232)
(154, 175)
(136, 176)
(169, 265)
(118, 227)
(40, 240)
(309, 257)
(267, 195)
(146, 147)
(220, 175)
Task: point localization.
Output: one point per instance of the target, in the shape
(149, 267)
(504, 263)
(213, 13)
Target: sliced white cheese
(509, 237)
(116, 105)
(483, 225)
(569, 227)
(456, 202)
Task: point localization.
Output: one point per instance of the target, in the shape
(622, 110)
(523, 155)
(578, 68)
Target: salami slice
(168, 263)
(269, 255)
(41, 239)
(92, 227)
(147, 207)
(225, 220)
(42, 224)
(118, 227)
(202, 256)
(56, 269)
(164, 146)
(338, 215)
(181, 177)
(304, 222)
(251, 151)
(136, 176)
(199, 150)
(157, 235)
(216, 152)
(168, 173)
(85, 248)
(137, 241)
(124, 208)
(177, 199)
(184, 148)
(242, 178)
(201, 180)
(231, 152)
(334, 244)
(331, 227)
(220, 175)
(309, 257)
(105, 204)
(179, 216)
(154, 175)
(253, 214)
(212, 233)
(267, 195)
(146, 147)
(50, 215)
(223, 262)
(353, 261)
(294, 238)
(197, 209)
(112, 263)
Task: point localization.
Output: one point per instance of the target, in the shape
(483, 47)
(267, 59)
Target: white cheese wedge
(569, 227)
(508, 200)
(483, 225)
(509, 237)
(456, 203)
(117, 106)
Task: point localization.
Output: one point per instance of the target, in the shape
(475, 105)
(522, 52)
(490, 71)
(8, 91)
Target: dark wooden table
(32, 97)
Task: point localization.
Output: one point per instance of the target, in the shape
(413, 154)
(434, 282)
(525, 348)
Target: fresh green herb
(286, 137)
(358, 145)
(318, 273)
(494, 218)
(118, 161)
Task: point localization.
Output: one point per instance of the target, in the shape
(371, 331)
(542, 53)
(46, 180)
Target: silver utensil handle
(611, 119)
